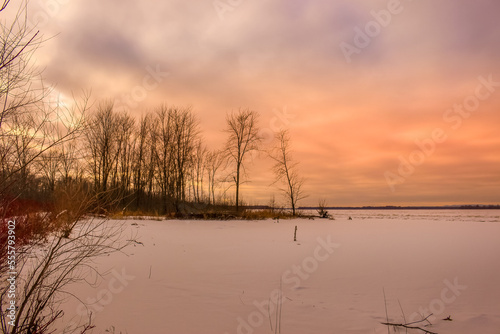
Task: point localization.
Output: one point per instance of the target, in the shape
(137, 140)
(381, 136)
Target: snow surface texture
(231, 276)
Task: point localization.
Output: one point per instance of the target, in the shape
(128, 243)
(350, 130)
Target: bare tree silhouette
(62, 255)
(286, 171)
(243, 132)
(214, 163)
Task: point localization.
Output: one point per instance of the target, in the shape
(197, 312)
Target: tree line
(156, 163)
(59, 162)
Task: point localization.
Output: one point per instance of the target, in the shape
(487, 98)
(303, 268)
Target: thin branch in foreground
(409, 325)
(386, 313)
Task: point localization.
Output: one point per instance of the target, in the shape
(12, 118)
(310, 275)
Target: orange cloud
(352, 121)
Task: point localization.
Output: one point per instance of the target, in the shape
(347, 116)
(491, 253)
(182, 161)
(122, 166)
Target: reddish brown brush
(31, 219)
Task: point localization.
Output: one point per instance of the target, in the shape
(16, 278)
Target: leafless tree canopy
(30, 124)
(158, 163)
(60, 256)
(286, 171)
(59, 162)
(18, 89)
(177, 135)
(243, 137)
(161, 155)
(35, 136)
(108, 138)
(214, 164)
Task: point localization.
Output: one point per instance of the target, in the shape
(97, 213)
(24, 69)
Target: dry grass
(136, 214)
(265, 214)
(209, 213)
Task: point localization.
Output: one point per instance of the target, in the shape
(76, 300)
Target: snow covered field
(230, 276)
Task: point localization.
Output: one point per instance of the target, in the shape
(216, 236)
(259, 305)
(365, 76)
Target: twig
(269, 314)
(281, 303)
(403, 313)
(424, 319)
(136, 242)
(279, 307)
(386, 314)
(408, 325)
(277, 312)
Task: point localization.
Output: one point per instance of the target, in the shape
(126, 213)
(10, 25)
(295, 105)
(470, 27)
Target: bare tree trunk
(139, 163)
(214, 162)
(242, 128)
(285, 170)
(105, 144)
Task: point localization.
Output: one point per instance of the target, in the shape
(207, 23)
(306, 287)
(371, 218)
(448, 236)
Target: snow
(220, 276)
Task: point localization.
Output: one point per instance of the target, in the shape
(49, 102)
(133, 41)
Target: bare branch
(243, 131)
(286, 170)
(409, 325)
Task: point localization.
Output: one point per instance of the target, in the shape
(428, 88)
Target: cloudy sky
(388, 102)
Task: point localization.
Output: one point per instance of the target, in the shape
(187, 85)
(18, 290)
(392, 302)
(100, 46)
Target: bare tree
(71, 168)
(214, 162)
(162, 144)
(151, 161)
(198, 171)
(51, 248)
(243, 132)
(122, 174)
(30, 124)
(175, 137)
(49, 165)
(140, 152)
(322, 206)
(103, 139)
(186, 133)
(285, 170)
(50, 262)
(25, 136)
(17, 73)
